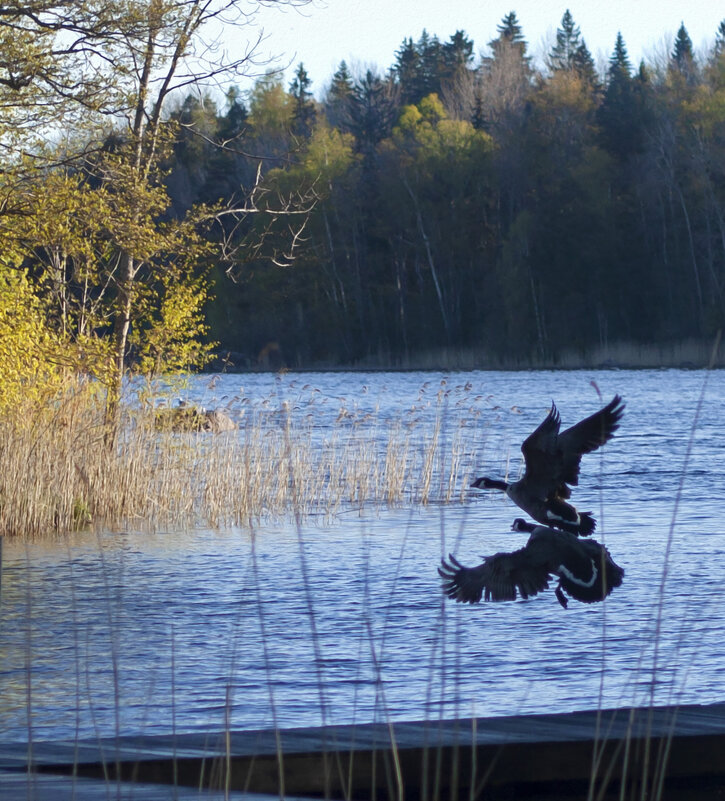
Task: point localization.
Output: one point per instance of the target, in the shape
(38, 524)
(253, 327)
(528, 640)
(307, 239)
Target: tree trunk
(693, 256)
(121, 328)
(431, 263)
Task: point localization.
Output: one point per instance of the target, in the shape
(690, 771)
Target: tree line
(481, 203)
(456, 201)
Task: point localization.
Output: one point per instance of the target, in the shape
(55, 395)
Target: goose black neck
(491, 483)
(522, 525)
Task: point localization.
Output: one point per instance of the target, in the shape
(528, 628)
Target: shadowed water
(344, 622)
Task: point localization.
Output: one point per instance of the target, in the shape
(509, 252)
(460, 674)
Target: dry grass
(57, 473)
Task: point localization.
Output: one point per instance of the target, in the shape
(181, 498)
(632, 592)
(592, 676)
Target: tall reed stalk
(58, 472)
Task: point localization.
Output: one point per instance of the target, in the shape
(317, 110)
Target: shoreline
(686, 355)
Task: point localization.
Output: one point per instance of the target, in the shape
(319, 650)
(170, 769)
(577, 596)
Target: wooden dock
(671, 753)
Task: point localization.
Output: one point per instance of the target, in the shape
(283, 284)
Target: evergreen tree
(619, 63)
(617, 113)
(682, 58)
(510, 30)
(720, 40)
(506, 74)
(503, 111)
(431, 61)
(568, 42)
(304, 111)
(571, 54)
(372, 112)
(505, 81)
(478, 118)
(457, 54)
(194, 146)
(339, 97)
(716, 62)
(228, 170)
(458, 78)
(682, 52)
(510, 35)
(406, 72)
(205, 168)
(584, 67)
(421, 66)
(235, 119)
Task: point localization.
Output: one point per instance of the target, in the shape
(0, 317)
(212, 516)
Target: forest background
(152, 215)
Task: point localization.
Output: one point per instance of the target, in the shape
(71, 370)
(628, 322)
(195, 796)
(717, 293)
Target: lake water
(343, 621)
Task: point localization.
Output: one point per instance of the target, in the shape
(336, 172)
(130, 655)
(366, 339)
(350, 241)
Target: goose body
(552, 459)
(585, 569)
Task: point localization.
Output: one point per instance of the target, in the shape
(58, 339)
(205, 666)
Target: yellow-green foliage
(270, 107)
(427, 114)
(328, 155)
(426, 138)
(172, 342)
(73, 236)
(31, 354)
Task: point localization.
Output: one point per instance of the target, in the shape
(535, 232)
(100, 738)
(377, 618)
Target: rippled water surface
(343, 621)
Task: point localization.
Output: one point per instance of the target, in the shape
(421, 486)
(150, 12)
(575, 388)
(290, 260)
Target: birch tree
(84, 87)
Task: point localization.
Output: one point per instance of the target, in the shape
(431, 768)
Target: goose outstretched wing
(541, 455)
(553, 458)
(499, 578)
(586, 436)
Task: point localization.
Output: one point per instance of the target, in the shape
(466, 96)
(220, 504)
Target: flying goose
(585, 569)
(552, 463)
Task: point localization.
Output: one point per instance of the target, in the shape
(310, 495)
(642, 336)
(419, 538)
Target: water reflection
(345, 622)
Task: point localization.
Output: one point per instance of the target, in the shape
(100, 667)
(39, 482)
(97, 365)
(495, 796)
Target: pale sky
(368, 32)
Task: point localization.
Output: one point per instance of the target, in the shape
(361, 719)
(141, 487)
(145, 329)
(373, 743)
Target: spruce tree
(571, 54)
(716, 62)
(583, 65)
(304, 112)
(510, 29)
(478, 118)
(682, 52)
(457, 54)
(224, 167)
(406, 72)
(431, 62)
(682, 59)
(617, 113)
(372, 112)
(506, 75)
(508, 51)
(510, 34)
(720, 40)
(619, 63)
(339, 98)
(234, 121)
(420, 66)
(568, 41)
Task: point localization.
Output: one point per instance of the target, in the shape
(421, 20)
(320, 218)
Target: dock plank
(53, 787)
(370, 760)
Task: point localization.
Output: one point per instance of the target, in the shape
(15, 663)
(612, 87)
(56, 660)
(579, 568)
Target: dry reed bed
(57, 473)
